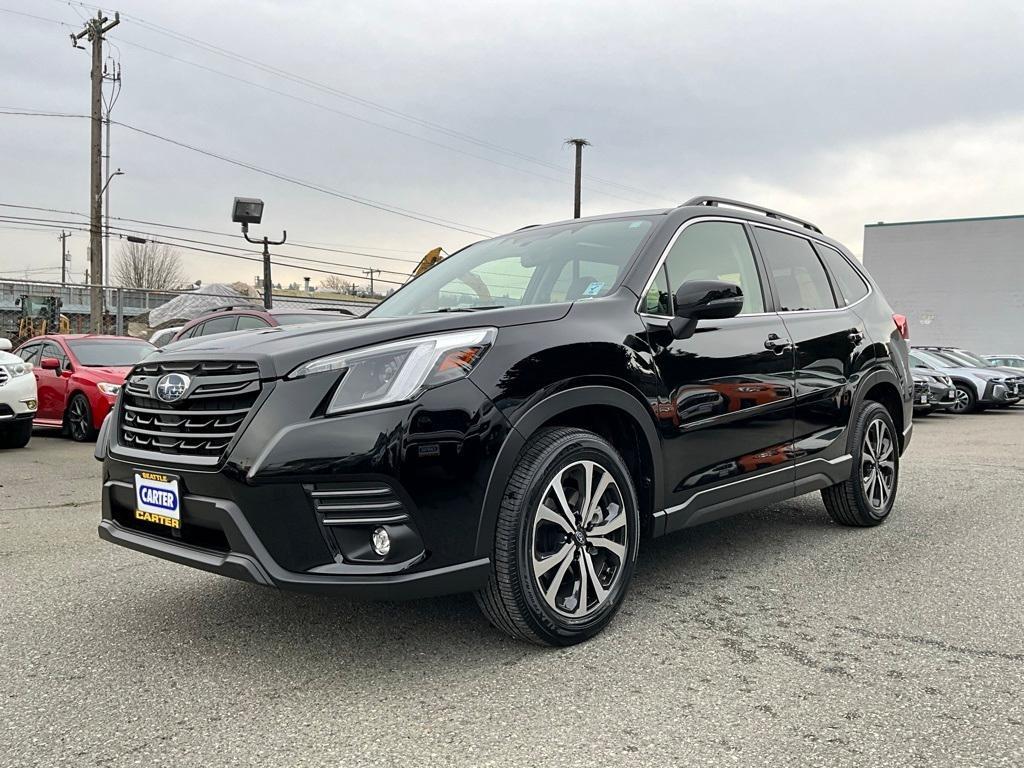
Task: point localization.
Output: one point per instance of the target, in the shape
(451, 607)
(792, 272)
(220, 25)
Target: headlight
(18, 369)
(108, 389)
(399, 370)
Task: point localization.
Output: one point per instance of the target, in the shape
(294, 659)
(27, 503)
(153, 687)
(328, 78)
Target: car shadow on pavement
(217, 617)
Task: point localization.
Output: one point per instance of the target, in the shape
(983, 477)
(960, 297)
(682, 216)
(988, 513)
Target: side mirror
(698, 300)
(5, 345)
(50, 364)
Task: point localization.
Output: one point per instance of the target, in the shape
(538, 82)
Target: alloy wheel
(578, 544)
(878, 464)
(78, 418)
(962, 402)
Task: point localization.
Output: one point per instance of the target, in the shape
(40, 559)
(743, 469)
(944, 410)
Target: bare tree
(148, 265)
(337, 284)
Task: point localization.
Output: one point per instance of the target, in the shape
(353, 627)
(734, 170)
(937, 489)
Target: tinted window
(798, 275)
(250, 321)
(218, 325)
(52, 350)
(851, 284)
(716, 250)
(30, 354)
(658, 301)
(300, 319)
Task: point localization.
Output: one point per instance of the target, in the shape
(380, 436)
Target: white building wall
(959, 282)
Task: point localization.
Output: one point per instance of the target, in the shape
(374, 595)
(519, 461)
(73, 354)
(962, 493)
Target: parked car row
(959, 381)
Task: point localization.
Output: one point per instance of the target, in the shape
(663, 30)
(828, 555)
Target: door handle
(777, 344)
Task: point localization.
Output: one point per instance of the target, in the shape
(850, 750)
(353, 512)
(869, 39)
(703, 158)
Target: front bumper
(998, 394)
(18, 399)
(294, 501)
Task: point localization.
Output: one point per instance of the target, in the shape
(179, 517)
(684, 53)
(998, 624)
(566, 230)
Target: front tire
(79, 419)
(966, 401)
(867, 498)
(16, 436)
(565, 542)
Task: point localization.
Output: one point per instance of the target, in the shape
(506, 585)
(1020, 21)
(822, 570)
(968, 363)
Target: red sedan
(79, 377)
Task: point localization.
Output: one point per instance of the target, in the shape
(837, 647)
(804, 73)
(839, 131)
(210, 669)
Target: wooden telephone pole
(580, 144)
(94, 31)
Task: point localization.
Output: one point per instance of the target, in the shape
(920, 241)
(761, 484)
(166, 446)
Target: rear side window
(716, 250)
(797, 273)
(246, 322)
(851, 284)
(218, 325)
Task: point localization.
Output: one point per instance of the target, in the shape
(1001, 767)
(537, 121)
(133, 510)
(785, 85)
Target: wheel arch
(883, 386)
(614, 414)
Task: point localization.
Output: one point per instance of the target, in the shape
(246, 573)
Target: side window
(851, 284)
(52, 350)
(716, 250)
(218, 325)
(658, 301)
(798, 275)
(246, 322)
(30, 354)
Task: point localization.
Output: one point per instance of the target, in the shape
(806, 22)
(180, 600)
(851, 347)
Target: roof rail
(716, 201)
(229, 307)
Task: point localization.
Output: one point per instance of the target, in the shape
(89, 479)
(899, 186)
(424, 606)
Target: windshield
(94, 353)
(934, 361)
(957, 359)
(968, 357)
(543, 265)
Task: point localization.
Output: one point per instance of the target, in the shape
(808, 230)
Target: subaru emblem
(172, 387)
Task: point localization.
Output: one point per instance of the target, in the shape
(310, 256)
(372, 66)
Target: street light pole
(580, 144)
(268, 286)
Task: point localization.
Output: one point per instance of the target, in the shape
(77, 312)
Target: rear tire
(867, 498)
(562, 563)
(16, 436)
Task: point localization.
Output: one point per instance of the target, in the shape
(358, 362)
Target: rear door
(831, 343)
(728, 414)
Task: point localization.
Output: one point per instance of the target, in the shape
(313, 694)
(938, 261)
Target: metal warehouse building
(960, 282)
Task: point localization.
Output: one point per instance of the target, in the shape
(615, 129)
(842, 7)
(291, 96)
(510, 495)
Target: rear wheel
(79, 419)
(966, 401)
(17, 435)
(867, 498)
(565, 542)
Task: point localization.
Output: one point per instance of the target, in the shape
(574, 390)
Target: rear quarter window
(851, 284)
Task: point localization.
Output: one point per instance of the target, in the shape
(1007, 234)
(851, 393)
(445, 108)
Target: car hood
(112, 374)
(279, 350)
(6, 358)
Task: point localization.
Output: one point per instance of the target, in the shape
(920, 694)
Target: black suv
(516, 419)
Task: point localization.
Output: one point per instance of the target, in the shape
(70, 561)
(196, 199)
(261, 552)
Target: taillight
(901, 325)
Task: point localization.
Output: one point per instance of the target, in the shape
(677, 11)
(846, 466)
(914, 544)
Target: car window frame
(836, 295)
(767, 290)
(836, 285)
(209, 320)
(35, 348)
(252, 316)
(61, 355)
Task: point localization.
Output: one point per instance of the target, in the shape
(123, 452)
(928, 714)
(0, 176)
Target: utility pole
(63, 236)
(580, 144)
(371, 273)
(94, 31)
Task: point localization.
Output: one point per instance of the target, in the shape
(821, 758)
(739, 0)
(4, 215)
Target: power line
(364, 120)
(404, 212)
(315, 85)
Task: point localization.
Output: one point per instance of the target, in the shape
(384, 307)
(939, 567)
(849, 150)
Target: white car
(17, 398)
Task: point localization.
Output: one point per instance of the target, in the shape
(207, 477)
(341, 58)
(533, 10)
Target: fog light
(381, 542)
(30, 404)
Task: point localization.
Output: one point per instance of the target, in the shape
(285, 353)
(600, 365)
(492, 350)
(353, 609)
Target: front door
(727, 411)
(52, 385)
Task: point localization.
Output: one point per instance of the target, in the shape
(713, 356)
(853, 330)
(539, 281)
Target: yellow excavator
(41, 315)
(435, 256)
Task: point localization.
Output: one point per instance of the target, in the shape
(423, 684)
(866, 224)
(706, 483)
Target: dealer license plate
(157, 499)
(924, 399)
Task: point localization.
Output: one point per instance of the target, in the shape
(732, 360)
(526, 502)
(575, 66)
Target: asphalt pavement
(771, 638)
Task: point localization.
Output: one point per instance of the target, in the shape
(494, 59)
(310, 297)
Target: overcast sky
(843, 113)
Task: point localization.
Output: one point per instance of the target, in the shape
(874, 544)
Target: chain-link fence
(33, 308)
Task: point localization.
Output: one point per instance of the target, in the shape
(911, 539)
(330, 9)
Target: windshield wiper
(465, 309)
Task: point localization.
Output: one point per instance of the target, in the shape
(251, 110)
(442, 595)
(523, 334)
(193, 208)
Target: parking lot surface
(771, 638)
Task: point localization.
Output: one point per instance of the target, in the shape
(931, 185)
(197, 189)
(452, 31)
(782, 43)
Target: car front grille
(203, 422)
(4, 376)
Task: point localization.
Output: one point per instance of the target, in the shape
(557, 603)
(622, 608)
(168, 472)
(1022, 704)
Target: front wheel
(79, 419)
(867, 498)
(966, 401)
(17, 435)
(565, 542)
